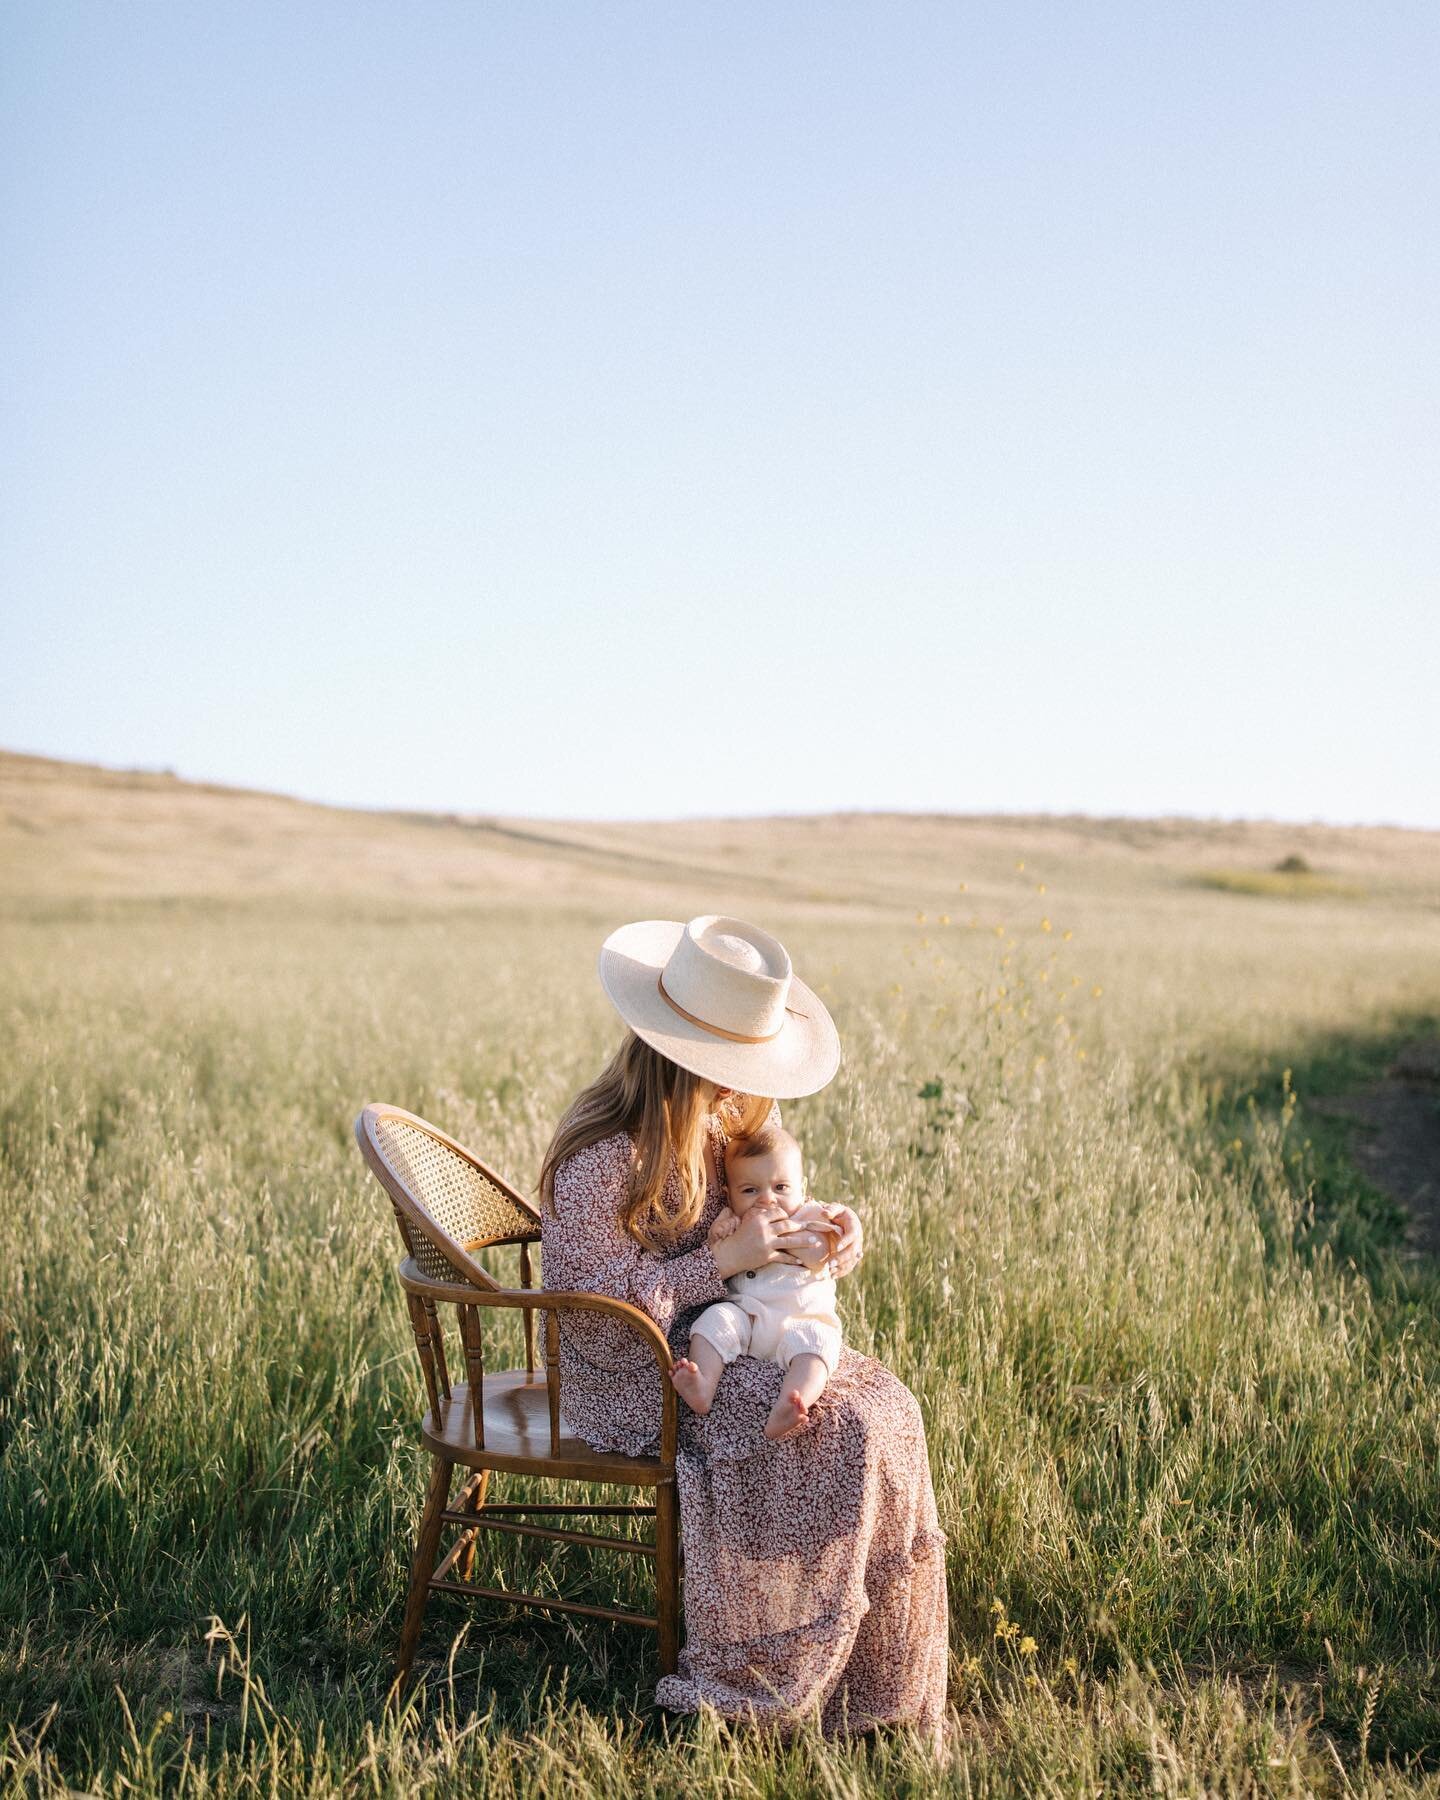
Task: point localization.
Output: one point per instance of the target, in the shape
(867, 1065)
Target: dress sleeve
(586, 1248)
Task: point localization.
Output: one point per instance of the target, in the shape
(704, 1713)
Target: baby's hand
(814, 1218)
(726, 1225)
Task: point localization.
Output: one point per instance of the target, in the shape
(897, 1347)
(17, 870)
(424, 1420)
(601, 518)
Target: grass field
(1181, 1380)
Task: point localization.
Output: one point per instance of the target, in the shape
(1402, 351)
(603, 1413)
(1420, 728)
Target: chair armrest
(460, 1293)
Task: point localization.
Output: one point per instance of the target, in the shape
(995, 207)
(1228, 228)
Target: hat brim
(801, 1060)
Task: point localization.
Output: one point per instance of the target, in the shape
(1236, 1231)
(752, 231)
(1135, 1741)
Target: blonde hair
(663, 1108)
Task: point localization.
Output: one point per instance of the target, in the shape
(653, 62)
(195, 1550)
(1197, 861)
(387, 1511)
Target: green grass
(1362, 1226)
(1279, 884)
(1188, 1442)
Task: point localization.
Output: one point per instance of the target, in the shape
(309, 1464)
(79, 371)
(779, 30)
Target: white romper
(774, 1313)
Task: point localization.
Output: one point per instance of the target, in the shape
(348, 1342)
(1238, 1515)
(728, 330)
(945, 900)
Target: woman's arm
(586, 1247)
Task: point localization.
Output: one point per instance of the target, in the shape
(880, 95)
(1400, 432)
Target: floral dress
(814, 1566)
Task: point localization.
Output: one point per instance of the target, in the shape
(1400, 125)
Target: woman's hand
(850, 1245)
(764, 1235)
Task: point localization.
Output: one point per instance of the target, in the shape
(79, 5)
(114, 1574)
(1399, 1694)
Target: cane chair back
(447, 1202)
(449, 1207)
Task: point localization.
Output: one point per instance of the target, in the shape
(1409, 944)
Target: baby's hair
(763, 1142)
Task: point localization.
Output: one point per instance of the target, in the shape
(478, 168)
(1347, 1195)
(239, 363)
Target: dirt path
(1395, 1138)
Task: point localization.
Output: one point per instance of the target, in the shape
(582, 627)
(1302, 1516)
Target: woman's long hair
(663, 1108)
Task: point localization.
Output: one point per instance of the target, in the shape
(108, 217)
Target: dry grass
(1182, 1398)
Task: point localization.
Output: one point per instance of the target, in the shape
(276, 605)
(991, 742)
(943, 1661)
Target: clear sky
(647, 409)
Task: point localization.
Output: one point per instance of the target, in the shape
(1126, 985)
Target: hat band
(735, 1037)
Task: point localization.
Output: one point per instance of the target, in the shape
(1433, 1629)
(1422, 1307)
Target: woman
(814, 1565)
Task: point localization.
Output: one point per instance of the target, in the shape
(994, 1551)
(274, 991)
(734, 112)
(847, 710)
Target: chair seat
(517, 1436)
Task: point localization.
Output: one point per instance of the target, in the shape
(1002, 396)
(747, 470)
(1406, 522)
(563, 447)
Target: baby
(779, 1312)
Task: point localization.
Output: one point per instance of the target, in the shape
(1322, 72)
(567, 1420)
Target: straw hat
(719, 997)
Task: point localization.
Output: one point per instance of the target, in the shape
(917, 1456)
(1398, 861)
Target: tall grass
(1186, 1446)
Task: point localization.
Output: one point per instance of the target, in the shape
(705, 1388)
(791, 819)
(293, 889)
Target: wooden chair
(449, 1206)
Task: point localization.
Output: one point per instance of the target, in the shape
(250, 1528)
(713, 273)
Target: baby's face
(775, 1179)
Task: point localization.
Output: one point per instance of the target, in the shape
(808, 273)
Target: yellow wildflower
(1045, 925)
(1068, 936)
(944, 918)
(998, 1606)
(1096, 992)
(1028, 1646)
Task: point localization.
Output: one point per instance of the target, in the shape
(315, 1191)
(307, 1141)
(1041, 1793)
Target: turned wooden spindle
(475, 1368)
(437, 1339)
(527, 1280)
(421, 1327)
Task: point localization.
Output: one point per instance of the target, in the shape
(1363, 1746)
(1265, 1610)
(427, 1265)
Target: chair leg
(426, 1544)
(477, 1500)
(667, 1575)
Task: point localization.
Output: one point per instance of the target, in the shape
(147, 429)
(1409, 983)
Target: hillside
(72, 831)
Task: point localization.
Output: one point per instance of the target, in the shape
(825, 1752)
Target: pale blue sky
(638, 410)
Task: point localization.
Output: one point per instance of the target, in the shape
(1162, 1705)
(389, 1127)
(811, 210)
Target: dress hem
(898, 1567)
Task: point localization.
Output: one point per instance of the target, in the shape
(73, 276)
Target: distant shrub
(1293, 865)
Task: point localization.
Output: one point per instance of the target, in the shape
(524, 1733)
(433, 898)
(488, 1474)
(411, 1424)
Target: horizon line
(167, 771)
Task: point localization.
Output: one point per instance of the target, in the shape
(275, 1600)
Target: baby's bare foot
(788, 1414)
(691, 1385)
